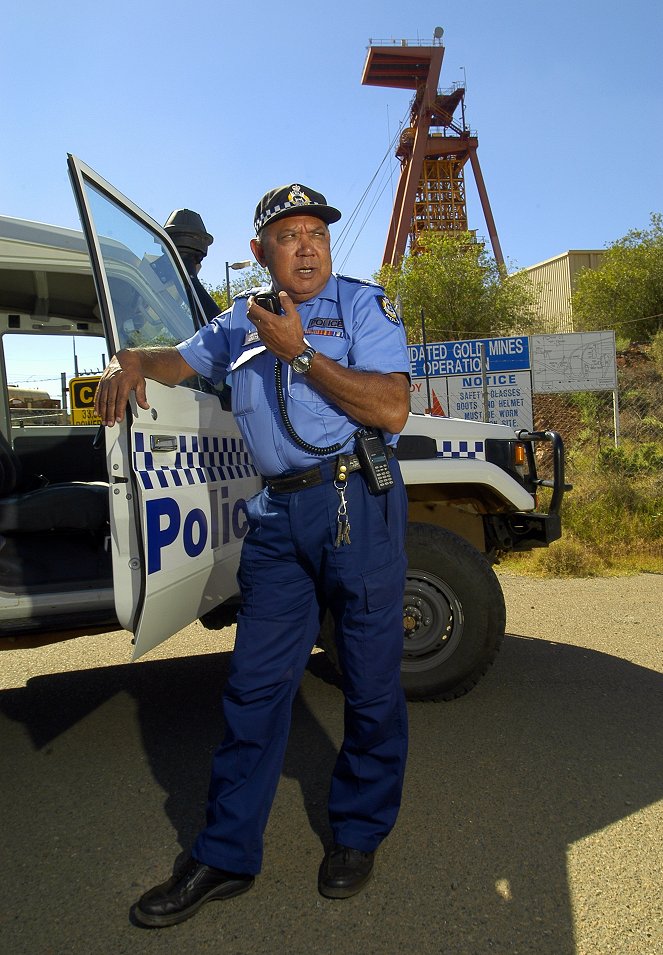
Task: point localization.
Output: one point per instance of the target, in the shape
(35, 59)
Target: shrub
(567, 557)
(656, 351)
(641, 459)
(612, 520)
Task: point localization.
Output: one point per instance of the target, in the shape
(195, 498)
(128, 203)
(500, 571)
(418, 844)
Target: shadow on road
(556, 743)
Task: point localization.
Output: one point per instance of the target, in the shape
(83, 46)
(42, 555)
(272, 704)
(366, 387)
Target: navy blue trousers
(290, 572)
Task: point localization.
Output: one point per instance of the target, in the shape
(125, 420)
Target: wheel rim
(432, 621)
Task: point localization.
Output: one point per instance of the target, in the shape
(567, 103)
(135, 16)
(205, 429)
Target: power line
(366, 218)
(344, 234)
(645, 318)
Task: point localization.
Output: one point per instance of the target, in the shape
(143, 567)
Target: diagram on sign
(580, 361)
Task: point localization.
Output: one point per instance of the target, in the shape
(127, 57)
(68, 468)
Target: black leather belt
(313, 476)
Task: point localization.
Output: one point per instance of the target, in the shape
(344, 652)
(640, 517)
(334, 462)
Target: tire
(453, 616)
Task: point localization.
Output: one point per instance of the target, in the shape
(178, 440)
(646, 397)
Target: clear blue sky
(208, 105)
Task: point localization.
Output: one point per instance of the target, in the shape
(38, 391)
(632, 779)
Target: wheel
(453, 616)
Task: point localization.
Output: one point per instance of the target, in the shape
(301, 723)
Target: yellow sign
(81, 400)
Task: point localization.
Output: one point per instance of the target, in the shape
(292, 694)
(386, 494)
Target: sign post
(423, 338)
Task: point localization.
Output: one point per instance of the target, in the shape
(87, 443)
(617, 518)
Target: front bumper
(526, 529)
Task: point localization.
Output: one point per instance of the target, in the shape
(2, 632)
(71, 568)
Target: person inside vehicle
(192, 240)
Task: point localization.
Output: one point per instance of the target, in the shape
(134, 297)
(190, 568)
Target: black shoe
(344, 872)
(182, 895)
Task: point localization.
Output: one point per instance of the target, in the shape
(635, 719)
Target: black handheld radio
(371, 451)
(269, 301)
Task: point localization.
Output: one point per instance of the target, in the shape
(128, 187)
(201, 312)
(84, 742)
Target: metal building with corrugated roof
(555, 281)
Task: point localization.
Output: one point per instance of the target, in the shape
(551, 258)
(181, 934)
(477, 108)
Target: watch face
(302, 363)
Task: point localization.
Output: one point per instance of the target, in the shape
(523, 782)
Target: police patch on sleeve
(388, 310)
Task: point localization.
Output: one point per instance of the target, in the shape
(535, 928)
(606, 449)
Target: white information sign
(462, 396)
(575, 361)
(509, 398)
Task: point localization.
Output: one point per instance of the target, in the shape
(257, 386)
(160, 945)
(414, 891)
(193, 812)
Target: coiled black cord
(311, 448)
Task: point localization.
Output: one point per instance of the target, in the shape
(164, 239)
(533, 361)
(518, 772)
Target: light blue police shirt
(350, 321)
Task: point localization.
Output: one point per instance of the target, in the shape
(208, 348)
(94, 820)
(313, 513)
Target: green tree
(625, 292)
(460, 288)
(247, 278)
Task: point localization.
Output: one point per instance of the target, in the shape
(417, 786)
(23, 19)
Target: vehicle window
(149, 299)
(51, 379)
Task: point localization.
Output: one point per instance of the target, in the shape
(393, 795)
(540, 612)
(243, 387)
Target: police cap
(293, 200)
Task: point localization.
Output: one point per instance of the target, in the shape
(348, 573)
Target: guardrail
(434, 41)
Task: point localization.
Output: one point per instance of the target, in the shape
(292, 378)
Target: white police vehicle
(141, 525)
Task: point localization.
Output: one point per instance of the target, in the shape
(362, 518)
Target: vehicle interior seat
(28, 505)
(51, 535)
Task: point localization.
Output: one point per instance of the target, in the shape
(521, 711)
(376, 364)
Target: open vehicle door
(179, 472)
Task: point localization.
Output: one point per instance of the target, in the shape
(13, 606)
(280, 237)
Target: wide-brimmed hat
(187, 230)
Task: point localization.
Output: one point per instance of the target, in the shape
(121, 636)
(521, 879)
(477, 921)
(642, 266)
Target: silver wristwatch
(302, 363)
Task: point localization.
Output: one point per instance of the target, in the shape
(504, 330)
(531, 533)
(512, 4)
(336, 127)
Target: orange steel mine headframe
(432, 150)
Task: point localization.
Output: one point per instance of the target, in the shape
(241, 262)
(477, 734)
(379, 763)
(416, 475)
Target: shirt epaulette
(350, 278)
(247, 292)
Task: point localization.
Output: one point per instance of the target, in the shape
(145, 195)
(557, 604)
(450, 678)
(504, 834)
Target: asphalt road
(531, 823)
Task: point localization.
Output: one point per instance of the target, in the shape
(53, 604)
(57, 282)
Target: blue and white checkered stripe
(300, 202)
(198, 461)
(461, 449)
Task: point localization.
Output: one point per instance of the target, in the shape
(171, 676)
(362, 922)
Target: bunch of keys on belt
(342, 519)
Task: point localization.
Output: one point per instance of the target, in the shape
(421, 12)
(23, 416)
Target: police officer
(306, 384)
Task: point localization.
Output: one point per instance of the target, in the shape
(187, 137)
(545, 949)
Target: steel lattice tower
(433, 150)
